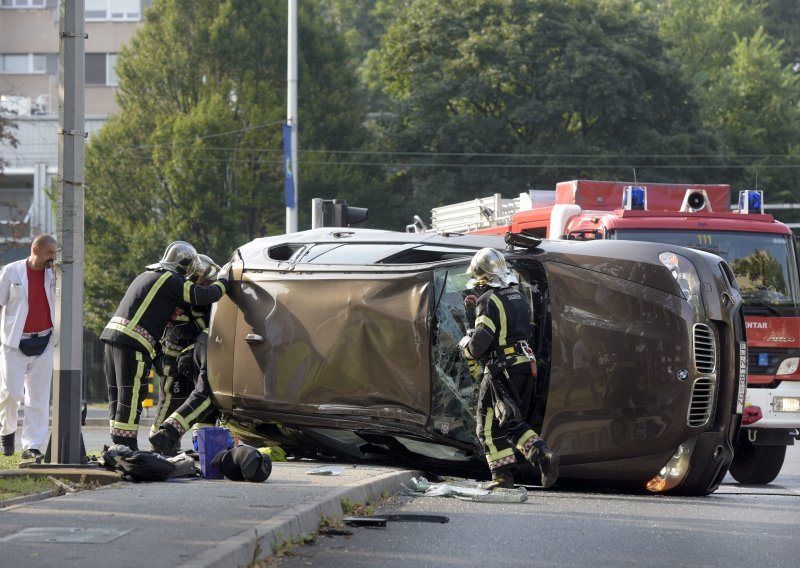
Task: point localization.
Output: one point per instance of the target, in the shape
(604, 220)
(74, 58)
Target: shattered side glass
(453, 389)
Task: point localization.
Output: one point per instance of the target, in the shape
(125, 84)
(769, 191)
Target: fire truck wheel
(756, 464)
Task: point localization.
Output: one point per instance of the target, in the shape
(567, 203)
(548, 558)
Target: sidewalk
(193, 523)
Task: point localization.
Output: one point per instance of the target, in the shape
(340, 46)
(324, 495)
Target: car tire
(756, 464)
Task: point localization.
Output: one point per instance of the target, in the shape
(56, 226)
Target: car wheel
(756, 464)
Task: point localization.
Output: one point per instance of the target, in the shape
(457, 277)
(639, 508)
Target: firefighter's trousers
(500, 441)
(127, 371)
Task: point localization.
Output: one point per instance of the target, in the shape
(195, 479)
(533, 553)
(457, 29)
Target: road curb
(296, 522)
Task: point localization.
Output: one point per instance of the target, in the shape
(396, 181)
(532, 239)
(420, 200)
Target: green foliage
(196, 152)
(748, 94)
(498, 96)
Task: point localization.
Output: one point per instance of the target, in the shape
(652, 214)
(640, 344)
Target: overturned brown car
(342, 344)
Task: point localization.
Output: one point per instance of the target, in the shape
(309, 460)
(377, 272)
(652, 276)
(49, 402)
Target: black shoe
(546, 460)
(31, 453)
(501, 481)
(7, 441)
(163, 443)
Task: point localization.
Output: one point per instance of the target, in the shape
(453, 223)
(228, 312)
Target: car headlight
(675, 470)
(685, 275)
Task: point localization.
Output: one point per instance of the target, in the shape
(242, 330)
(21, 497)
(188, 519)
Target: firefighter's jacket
(502, 320)
(148, 305)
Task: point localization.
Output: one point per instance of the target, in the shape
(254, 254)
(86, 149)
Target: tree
(747, 94)
(196, 151)
(497, 96)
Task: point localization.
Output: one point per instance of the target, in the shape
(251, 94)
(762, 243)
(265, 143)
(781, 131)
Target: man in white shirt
(27, 301)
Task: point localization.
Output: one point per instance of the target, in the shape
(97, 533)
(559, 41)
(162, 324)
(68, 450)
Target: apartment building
(29, 45)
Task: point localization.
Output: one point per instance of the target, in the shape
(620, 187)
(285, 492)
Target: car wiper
(760, 303)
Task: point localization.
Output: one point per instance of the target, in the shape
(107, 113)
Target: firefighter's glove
(462, 345)
(185, 365)
(224, 276)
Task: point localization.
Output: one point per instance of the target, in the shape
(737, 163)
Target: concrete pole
(291, 111)
(66, 442)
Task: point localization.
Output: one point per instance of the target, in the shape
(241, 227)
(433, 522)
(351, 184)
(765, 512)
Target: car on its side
(342, 344)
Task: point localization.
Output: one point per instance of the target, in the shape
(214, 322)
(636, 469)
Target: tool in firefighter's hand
(465, 340)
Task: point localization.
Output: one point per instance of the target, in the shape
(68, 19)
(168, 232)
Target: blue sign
(287, 165)
(763, 359)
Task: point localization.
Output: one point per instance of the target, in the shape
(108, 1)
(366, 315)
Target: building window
(100, 69)
(22, 3)
(115, 10)
(23, 63)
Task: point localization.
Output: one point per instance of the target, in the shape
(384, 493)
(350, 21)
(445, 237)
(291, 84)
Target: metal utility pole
(66, 442)
(291, 115)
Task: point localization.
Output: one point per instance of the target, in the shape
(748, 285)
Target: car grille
(705, 351)
(702, 402)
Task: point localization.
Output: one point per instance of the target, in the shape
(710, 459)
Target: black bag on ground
(243, 463)
(138, 465)
(33, 346)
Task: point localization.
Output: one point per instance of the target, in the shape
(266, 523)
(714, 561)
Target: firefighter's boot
(503, 480)
(546, 460)
(127, 441)
(165, 441)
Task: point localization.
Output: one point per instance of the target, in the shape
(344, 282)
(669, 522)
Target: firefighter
(131, 337)
(197, 411)
(186, 322)
(499, 342)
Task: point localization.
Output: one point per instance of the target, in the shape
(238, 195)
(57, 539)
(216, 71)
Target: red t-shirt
(38, 307)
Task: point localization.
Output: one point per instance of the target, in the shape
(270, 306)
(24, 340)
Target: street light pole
(291, 113)
(66, 442)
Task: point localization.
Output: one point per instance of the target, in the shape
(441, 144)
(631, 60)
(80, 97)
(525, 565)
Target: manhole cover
(65, 534)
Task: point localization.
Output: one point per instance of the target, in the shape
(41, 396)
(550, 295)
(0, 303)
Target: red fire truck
(760, 250)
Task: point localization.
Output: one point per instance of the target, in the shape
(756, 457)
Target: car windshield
(764, 263)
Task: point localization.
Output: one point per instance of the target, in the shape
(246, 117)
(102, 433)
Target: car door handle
(253, 338)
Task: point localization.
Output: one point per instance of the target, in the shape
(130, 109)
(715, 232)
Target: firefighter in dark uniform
(186, 322)
(198, 410)
(500, 343)
(131, 337)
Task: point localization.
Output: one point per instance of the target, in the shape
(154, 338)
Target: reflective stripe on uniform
(138, 337)
(149, 298)
(487, 321)
(167, 392)
(137, 385)
(185, 421)
(501, 339)
(524, 438)
(187, 291)
(493, 455)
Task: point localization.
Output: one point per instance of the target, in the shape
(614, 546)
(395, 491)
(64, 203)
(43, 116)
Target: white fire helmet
(489, 268)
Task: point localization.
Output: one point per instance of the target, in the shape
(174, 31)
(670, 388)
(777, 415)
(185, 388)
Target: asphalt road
(736, 526)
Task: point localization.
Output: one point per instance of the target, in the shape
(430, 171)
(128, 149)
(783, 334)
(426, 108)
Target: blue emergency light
(634, 197)
(751, 201)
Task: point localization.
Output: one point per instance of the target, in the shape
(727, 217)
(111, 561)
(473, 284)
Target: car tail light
(751, 415)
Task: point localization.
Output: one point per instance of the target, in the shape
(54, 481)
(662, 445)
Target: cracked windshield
(455, 383)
